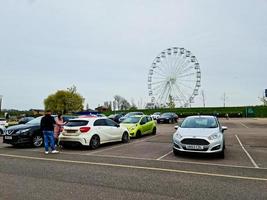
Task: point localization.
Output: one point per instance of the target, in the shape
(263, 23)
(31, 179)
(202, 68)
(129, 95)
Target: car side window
(110, 122)
(143, 120)
(100, 122)
(149, 119)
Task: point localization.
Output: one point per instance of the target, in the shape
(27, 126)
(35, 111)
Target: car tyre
(37, 140)
(1, 132)
(221, 154)
(154, 131)
(94, 142)
(176, 152)
(125, 137)
(138, 134)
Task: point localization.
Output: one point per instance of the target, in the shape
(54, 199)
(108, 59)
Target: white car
(92, 131)
(155, 115)
(2, 129)
(200, 134)
(3, 122)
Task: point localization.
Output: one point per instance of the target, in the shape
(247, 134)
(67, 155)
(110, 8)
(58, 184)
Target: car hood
(127, 125)
(22, 126)
(197, 132)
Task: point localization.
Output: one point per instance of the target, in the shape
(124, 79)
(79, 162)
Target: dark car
(115, 117)
(167, 118)
(24, 120)
(29, 133)
(129, 115)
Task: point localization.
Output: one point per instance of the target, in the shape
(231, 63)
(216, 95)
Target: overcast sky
(106, 48)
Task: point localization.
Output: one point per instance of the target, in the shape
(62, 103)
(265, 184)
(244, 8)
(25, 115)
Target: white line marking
(243, 125)
(152, 159)
(138, 167)
(106, 149)
(164, 155)
(249, 156)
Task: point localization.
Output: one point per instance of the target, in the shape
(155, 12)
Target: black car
(24, 120)
(168, 118)
(115, 117)
(29, 133)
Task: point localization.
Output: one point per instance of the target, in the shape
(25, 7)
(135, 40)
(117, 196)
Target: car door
(114, 131)
(143, 124)
(101, 129)
(150, 124)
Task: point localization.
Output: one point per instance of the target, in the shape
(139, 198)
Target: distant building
(102, 109)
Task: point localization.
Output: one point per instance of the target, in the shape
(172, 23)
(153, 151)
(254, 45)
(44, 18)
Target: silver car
(201, 134)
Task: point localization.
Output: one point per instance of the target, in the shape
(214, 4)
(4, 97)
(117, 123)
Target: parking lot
(245, 159)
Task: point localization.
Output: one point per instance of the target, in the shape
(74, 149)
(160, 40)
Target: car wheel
(138, 134)
(154, 131)
(94, 142)
(37, 141)
(1, 132)
(221, 154)
(176, 152)
(125, 137)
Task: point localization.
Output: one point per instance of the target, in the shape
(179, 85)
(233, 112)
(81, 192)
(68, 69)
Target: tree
(65, 101)
(263, 99)
(121, 103)
(171, 103)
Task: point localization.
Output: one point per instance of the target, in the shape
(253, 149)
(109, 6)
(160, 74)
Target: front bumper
(213, 146)
(16, 139)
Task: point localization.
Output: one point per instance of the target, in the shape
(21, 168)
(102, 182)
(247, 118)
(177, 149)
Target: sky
(106, 48)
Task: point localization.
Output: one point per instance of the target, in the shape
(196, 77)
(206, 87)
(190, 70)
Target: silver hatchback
(199, 134)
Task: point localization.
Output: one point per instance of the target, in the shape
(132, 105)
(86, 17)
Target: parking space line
(106, 149)
(243, 125)
(249, 156)
(137, 167)
(164, 155)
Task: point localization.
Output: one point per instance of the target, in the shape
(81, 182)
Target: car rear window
(76, 123)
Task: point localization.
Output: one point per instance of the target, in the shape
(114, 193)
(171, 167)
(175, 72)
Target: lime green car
(139, 125)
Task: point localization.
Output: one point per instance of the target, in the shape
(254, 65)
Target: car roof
(201, 116)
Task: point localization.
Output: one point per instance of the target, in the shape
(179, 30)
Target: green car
(139, 125)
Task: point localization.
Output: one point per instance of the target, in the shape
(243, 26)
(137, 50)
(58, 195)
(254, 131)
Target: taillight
(85, 129)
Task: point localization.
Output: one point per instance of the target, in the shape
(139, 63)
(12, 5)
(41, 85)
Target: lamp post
(1, 97)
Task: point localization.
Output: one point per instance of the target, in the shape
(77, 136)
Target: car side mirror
(176, 127)
(224, 128)
(117, 125)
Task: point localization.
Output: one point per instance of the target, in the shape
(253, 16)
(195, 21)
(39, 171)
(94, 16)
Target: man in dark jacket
(47, 127)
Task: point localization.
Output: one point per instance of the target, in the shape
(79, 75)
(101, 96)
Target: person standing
(47, 127)
(58, 127)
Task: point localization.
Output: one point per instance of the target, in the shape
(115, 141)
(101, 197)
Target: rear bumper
(73, 140)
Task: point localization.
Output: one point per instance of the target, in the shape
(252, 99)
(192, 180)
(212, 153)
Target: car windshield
(199, 122)
(166, 115)
(131, 114)
(131, 120)
(35, 121)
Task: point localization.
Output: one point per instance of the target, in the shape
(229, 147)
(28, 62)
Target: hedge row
(242, 111)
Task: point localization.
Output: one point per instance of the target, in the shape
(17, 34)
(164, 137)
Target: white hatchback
(92, 131)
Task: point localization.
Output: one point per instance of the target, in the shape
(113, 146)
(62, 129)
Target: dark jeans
(49, 140)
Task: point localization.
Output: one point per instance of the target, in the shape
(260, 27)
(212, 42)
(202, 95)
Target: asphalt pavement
(143, 169)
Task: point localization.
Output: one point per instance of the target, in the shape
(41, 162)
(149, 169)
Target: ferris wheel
(175, 73)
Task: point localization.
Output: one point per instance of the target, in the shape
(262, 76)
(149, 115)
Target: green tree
(65, 101)
(171, 103)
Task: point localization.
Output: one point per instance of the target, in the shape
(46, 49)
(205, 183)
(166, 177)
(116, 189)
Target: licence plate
(197, 147)
(8, 137)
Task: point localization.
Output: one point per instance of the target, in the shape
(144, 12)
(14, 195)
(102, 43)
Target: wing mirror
(224, 128)
(176, 127)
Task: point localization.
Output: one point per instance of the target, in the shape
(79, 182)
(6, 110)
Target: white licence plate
(197, 147)
(8, 137)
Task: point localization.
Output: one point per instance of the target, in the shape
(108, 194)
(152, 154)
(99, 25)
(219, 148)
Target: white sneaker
(46, 152)
(55, 151)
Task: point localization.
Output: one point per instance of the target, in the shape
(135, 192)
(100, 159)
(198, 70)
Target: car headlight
(132, 128)
(23, 131)
(214, 136)
(178, 136)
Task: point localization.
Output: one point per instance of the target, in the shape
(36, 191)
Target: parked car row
(196, 134)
